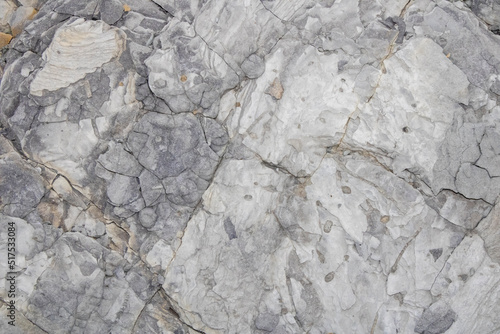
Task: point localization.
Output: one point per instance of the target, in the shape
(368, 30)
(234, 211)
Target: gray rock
(268, 166)
(266, 322)
(151, 187)
(185, 72)
(117, 160)
(123, 190)
(253, 66)
(111, 11)
(84, 9)
(488, 10)
(21, 188)
(147, 217)
(436, 319)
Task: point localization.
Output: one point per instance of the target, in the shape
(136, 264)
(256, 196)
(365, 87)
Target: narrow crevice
(144, 307)
(175, 313)
(445, 262)
(396, 263)
(196, 209)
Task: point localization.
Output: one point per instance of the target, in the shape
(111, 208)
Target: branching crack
(396, 40)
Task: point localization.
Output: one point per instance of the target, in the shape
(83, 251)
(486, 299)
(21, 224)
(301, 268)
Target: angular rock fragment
(82, 46)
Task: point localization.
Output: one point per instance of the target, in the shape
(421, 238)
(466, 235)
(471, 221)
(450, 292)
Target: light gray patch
(117, 160)
(123, 190)
(147, 217)
(267, 321)
(87, 268)
(253, 66)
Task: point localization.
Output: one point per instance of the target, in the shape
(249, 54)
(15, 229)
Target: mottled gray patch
(436, 319)
(267, 321)
(147, 217)
(230, 229)
(253, 66)
(328, 226)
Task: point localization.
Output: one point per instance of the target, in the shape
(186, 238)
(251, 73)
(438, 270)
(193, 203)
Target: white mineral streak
(77, 49)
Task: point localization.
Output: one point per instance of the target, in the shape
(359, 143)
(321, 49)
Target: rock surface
(251, 167)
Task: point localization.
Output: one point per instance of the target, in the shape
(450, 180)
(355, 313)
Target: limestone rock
(187, 166)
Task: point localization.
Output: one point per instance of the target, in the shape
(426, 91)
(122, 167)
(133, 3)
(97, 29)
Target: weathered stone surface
(20, 17)
(186, 166)
(82, 46)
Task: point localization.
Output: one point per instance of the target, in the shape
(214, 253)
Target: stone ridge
(251, 166)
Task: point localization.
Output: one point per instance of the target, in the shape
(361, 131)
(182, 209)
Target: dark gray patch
(321, 257)
(341, 65)
(111, 11)
(230, 229)
(346, 190)
(21, 188)
(85, 9)
(87, 268)
(436, 319)
(436, 253)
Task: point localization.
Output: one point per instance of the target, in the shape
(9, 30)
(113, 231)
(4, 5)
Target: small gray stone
(111, 11)
(147, 217)
(267, 321)
(436, 319)
(253, 66)
(123, 190)
(117, 160)
(151, 187)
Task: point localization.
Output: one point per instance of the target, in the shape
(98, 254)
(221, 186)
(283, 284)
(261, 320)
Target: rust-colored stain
(32, 15)
(4, 39)
(120, 84)
(126, 8)
(18, 28)
(183, 78)
(275, 89)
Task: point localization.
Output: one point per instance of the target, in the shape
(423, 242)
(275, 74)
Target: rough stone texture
(187, 166)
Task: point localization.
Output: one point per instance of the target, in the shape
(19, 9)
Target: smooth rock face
(186, 166)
